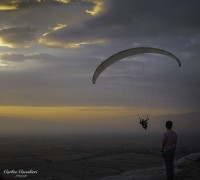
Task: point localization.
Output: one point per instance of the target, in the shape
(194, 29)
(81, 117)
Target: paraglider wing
(129, 52)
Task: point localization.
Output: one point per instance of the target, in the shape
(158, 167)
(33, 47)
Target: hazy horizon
(184, 124)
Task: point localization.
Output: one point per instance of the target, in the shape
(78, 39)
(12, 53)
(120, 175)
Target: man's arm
(164, 141)
(163, 146)
(176, 141)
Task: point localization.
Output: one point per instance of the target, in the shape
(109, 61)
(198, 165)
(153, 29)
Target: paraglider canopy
(130, 52)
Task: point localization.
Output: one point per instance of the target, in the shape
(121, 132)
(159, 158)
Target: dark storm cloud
(45, 16)
(138, 20)
(10, 57)
(17, 36)
(45, 79)
(171, 25)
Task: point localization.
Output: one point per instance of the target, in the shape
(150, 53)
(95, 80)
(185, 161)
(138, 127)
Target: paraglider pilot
(144, 122)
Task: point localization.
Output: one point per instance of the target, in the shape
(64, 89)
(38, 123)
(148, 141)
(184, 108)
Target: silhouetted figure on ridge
(169, 142)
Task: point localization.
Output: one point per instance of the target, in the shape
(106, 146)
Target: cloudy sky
(49, 50)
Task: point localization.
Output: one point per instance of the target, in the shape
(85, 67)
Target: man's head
(169, 124)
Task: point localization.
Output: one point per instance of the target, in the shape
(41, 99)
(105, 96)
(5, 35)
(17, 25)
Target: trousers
(169, 163)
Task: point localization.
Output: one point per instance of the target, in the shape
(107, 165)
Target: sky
(49, 50)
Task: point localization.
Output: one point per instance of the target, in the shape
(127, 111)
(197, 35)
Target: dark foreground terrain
(83, 157)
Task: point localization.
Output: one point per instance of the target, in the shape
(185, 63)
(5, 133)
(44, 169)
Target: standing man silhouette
(169, 142)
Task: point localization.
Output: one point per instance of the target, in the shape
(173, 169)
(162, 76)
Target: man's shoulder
(173, 133)
(168, 132)
(165, 135)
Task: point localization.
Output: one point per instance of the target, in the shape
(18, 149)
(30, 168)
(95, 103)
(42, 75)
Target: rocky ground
(187, 168)
(189, 172)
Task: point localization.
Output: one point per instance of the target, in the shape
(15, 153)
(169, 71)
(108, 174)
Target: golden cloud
(73, 45)
(56, 28)
(16, 37)
(15, 4)
(8, 7)
(44, 40)
(63, 1)
(99, 6)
